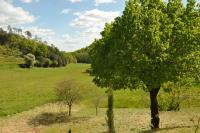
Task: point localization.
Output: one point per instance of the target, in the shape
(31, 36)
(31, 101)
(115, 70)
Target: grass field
(27, 92)
(23, 89)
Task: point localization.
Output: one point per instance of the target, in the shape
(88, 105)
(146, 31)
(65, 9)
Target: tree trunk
(154, 108)
(70, 110)
(110, 114)
(96, 111)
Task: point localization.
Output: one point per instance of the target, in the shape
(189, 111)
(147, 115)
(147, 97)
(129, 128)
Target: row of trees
(46, 56)
(19, 31)
(82, 55)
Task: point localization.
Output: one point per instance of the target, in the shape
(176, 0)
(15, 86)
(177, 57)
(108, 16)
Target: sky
(68, 24)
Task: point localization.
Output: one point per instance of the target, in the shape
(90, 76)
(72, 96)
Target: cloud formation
(90, 23)
(98, 2)
(65, 11)
(26, 1)
(11, 15)
(75, 1)
(93, 18)
(41, 32)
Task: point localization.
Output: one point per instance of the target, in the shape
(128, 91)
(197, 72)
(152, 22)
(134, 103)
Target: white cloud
(65, 11)
(75, 1)
(98, 2)
(40, 32)
(26, 1)
(75, 42)
(11, 15)
(29, 1)
(90, 23)
(93, 18)
(64, 42)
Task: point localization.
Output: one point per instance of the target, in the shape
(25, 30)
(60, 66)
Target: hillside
(10, 56)
(44, 55)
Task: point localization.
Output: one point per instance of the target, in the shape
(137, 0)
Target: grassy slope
(9, 57)
(23, 89)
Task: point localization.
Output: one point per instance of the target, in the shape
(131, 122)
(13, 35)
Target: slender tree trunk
(110, 115)
(96, 111)
(70, 110)
(154, 108)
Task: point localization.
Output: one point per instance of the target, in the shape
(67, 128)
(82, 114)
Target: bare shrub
(69, 93)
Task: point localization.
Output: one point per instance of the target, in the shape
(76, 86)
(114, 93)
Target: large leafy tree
(150, 44)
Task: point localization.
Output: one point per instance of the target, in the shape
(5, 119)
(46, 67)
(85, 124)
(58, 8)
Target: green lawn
(23, 89)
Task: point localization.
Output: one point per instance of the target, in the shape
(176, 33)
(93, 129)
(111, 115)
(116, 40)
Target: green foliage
(29, 60)
(173, 95)
(82, 57)
(70, 58)
(37, 48)
(10, 56)
(43, 62)
(41, 50)
(150, 44)
(28, 33)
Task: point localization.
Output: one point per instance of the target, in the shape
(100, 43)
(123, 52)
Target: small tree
(28, 33)
(96, 101)
(29, 60)
(68, 92)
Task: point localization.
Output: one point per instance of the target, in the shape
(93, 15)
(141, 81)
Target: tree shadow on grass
(53, 118)
(165, 129)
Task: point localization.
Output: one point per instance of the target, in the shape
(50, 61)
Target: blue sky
(68, 24)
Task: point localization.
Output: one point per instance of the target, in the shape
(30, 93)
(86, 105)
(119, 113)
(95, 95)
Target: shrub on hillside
(29, 60)
(43, 62)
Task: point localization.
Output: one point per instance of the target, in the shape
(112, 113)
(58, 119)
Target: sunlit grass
(23, 89)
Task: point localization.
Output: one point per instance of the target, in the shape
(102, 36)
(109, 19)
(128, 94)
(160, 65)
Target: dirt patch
(52, 118)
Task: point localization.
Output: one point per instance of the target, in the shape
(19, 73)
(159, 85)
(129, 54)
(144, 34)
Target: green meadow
(24, 89)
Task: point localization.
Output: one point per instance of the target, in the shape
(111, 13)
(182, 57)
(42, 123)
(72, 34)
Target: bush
(43, 62)
(69, 93)
(29, 60)
(169, 102)
(54, 64)
(172, 97)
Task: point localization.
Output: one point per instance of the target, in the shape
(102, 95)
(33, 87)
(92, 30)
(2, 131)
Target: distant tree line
(44, 55)
(82, 55)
